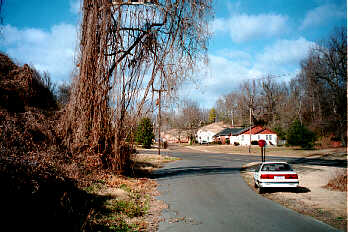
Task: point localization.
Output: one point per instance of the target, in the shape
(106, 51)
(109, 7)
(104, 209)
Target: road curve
(205, 192)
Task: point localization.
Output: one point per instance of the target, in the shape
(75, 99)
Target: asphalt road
(205, 192)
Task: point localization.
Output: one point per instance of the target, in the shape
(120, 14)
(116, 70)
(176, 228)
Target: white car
(275, 174)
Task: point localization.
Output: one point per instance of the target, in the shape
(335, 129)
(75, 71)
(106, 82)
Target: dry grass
(145, 163)
(339, 153)
(339, 181)
(130, 205)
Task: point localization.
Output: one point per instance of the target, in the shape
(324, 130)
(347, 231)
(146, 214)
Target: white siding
(205, 136)
(245, 141)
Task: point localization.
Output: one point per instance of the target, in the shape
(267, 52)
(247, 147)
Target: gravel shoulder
(146, 161)
(312, 198)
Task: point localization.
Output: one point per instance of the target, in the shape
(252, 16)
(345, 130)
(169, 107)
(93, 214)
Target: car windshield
(276, 167)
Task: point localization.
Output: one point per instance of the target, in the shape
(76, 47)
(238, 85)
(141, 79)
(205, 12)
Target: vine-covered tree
(127, 51)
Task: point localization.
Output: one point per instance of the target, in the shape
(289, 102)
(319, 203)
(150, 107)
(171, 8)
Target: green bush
(236, 144)
(165, 144)
(144, 134)
(280, 132)
(299, 135)
(254, 142)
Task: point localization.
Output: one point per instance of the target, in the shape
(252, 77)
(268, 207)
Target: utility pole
(250, 129)
(232, 122)
(159, 116)
(250, 112)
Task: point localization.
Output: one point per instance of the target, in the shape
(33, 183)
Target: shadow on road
(320, 162)
(192, 171)
(287, 190)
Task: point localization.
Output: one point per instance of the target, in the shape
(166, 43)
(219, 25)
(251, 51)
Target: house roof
(258, 130)
(214, 127)
(173, 133)
(229, 131)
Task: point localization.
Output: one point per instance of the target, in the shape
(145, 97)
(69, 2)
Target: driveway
(205, 192)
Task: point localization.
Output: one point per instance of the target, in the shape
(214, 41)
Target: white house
(206, 133)
(257, 133)
(224, 135)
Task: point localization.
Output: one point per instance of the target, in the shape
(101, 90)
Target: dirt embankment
(44, 187)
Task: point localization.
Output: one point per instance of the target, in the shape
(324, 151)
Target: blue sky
(252, 38)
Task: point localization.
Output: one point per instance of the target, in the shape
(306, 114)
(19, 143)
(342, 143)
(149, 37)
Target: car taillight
(267, 176)
(291, 176)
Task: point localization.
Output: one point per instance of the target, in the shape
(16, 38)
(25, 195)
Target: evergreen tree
(299, 135)
(144, 134)
(212, 115)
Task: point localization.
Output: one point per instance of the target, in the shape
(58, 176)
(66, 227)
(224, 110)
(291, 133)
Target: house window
(266, 137)
(270, 137)
(242, 137)
(258, 137)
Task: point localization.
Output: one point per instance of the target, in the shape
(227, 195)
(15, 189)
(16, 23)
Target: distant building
(206, 133)
(257, 132)
(224, 135)
(175, 136)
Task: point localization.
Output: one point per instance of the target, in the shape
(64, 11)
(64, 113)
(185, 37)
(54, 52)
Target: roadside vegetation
(144, 133)
(338, 182)
(46, 186)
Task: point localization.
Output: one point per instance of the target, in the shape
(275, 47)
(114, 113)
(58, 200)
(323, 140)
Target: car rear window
(276, 167)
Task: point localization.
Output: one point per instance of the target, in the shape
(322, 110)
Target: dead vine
(125, 51)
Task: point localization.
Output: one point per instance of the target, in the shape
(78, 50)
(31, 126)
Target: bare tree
(324, 72)
(272, 99)
(191, 117)
(127, 50)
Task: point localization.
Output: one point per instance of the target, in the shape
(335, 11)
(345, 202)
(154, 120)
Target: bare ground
(312, 197)
(131, 203)
(339, 153)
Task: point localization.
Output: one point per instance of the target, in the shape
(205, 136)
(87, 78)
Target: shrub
(254, 142)
(227, 141)
(63, 94)
(236, 144)
(24, 87)
(299, 135)
(144, 134)
(165, 144)
(280, 132)
(339, 181)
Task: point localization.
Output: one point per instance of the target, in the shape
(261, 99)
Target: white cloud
(51, 51)
(75, 6)
(224, 75)
(284, 52)
(217, 25)
(321, 15)
(244, 27)
(229, 68)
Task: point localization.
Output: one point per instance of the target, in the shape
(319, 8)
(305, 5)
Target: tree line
(316, 97)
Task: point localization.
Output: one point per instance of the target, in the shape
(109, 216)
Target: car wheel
(255, 185)
(261, 190)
